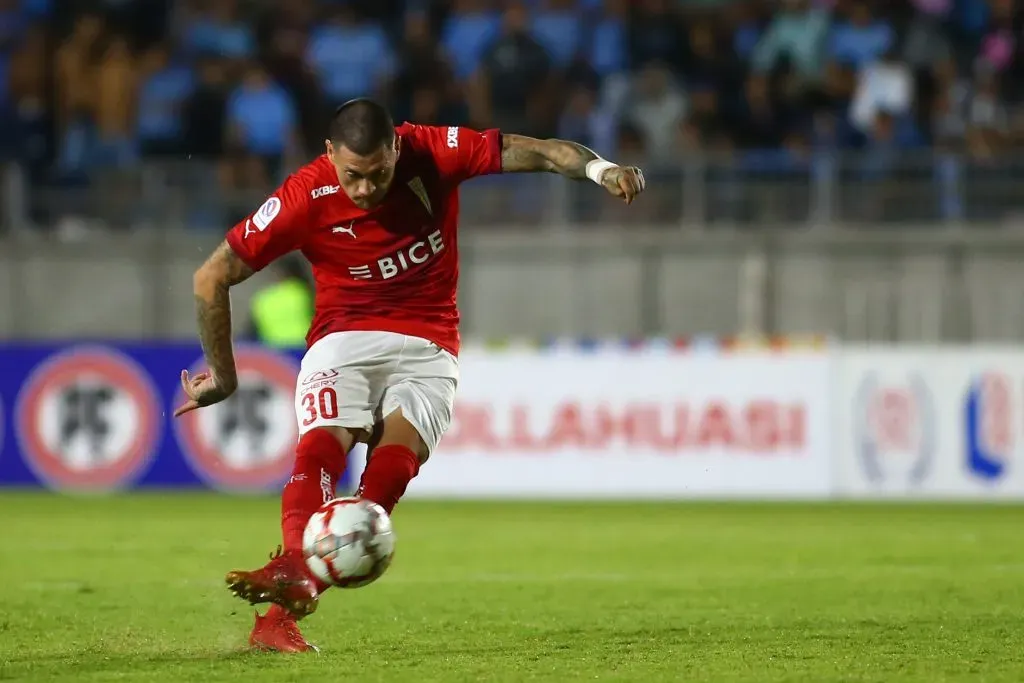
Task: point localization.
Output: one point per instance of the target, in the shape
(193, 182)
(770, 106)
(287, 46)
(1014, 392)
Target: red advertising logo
(87, 419)
(246, 443)
(756, 427)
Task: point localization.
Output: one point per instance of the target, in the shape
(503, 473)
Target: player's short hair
(362, 126)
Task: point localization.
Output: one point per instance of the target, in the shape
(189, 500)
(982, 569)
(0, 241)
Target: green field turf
(129, 589)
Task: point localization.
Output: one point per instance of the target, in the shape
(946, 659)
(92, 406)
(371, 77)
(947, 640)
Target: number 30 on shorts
(320, 405)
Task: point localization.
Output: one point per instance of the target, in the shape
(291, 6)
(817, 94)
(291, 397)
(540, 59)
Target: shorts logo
(266, 213)
(246, 443)
(453, 137)
(320, 376)
(88, 419)
(894, 430)
(988, 426)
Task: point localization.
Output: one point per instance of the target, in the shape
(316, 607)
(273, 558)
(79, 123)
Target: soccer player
(377, 217)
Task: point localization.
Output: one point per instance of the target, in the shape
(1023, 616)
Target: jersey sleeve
(463, 153)
(279, 226)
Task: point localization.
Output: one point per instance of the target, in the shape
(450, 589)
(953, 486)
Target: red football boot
(284, 581)
(277, 631)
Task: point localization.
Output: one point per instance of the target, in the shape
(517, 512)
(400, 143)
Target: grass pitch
(129, 589)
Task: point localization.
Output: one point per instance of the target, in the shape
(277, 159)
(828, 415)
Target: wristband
(597, 167)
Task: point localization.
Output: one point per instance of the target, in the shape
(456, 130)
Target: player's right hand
(202, 390)
(625, 182)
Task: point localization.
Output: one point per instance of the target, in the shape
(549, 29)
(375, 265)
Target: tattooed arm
(522, 154)
(213, 310)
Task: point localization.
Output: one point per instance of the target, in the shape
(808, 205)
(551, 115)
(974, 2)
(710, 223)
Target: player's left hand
(202, 390)
(625, 182)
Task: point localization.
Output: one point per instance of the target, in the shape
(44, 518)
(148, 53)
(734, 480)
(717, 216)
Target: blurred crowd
(88, 86)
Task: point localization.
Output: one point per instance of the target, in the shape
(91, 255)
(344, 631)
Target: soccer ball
(349, 542)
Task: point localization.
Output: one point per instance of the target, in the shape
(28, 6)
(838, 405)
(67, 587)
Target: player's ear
(329, 146)
(397, 145)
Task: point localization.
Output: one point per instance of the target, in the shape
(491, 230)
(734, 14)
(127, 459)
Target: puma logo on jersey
(388, 267)
(416, 185)
(453, 137)
(350, 230)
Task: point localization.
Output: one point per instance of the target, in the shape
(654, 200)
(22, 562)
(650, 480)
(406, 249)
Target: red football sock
(389, 469)
(319, 462)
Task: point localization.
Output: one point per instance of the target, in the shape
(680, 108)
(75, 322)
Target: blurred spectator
(584, 122)
(213, 27)
(116, 83)
(949, 107)
(707, 65)
(657, 108)
(656, 35)
(745, 19)
(470, 28)
(165, 88)
(988, 121)
(204, 112)
(424, 88)
(516, 73)
(282, 311)
(860, 39)
(26, 116)
(768, 120)
(926, 43)
(796, 34)
(883, 97)
(13, 23)
(558, 27)
(37, 9)
(76, 66)
(608, 41)
(261, 127)
(351, 57)
(704, 129)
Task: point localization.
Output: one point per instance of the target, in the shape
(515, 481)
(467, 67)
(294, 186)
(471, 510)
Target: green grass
(129, 589)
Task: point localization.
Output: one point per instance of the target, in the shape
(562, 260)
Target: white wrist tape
(597, 167)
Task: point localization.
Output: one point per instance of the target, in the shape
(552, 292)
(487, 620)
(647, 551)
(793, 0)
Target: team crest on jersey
(416, 185)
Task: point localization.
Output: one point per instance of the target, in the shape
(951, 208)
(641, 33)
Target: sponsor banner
(930, 423)
(87, 419)
(98, 418)
(636, 425)
(246, 443)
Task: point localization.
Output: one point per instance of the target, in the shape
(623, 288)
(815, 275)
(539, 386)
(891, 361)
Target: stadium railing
(923, 248)
(747, 189)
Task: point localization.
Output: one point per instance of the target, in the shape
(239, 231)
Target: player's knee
(328, 438)
(397, 430)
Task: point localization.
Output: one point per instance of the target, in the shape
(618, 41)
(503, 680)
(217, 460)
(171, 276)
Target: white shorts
(354, 379)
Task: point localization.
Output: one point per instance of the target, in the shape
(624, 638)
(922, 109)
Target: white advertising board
(929, 423)
(636, 424)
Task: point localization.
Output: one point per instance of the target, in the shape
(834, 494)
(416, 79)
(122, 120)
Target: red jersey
(393, 268)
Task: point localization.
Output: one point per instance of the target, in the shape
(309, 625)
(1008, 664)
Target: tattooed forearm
(213, 312)
(521, 154)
